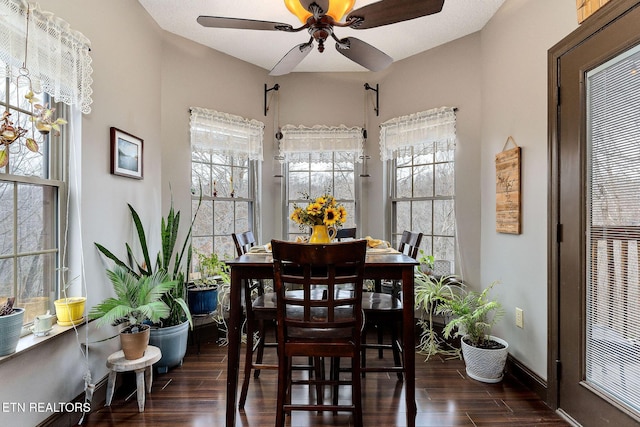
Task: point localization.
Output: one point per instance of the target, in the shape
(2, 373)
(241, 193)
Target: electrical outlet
(519, 318)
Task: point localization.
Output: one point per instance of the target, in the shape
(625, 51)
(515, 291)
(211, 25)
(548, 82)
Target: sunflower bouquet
(323, 210)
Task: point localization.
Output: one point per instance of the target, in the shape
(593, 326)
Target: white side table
(142, 366)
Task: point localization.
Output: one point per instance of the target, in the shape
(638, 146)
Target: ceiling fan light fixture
(337, 9)
(297, 9)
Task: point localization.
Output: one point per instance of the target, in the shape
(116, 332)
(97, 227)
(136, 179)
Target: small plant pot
(10, 328)
(202, 301)
(134, 341)
(70, 310)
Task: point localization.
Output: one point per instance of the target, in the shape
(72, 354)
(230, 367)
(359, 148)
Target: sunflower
(343, 213)
(295, 215)
(314, 209)
(331, 216)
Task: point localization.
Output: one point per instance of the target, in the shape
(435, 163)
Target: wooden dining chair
(257, 312)
(346, 233)
(324, 319)
(387, 312)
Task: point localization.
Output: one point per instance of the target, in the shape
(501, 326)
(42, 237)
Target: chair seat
(380, 302)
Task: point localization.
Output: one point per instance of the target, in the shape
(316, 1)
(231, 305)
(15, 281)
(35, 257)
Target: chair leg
(318, 367)
(260, 347)
(363, 350)
(248, 363)
(395, 345)
(380, 340)
(283, 385)
(356, 392)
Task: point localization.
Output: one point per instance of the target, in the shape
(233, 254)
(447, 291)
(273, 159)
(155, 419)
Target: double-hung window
(420, 150)
(226, 151)
(320, 160)
(34, 180)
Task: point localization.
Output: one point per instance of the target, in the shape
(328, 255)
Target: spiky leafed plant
(474, 314)
(170, 259)
(138, 298)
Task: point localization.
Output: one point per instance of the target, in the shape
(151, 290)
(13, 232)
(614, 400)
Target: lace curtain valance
(300, 140)
(226, 133)
(57, 57)
(417, 130)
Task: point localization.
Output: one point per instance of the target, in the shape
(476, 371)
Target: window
(420, 150)
(39, 51)
(314, 174)
(318, 160)
(30, 229)
(225, 155)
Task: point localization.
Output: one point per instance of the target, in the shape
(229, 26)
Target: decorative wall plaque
(508, 216)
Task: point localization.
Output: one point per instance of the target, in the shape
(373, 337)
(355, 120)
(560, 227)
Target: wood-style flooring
(194, 394)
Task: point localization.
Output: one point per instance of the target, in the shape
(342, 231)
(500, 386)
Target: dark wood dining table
(379, 265)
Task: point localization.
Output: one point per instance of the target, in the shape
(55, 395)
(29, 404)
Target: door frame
(600, 19)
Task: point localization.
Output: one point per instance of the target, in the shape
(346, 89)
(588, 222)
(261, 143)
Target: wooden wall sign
(508, 216)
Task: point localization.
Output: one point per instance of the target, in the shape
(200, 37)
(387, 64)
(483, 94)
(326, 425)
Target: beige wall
(514, 102)
(145, 81)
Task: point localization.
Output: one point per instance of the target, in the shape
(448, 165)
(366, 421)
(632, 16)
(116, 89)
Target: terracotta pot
(134, 344)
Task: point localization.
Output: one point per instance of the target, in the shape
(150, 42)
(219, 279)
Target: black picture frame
(126, 154)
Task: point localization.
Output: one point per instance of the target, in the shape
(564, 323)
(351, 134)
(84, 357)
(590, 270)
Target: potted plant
(171, 332)
(203, 290)
(430, 292)
(138, 299)
(474, 314)
(427, 262)
(10, 326)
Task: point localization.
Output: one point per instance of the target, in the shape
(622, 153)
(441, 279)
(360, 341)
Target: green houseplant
(430, 292)
(203, 290)
(473, 316)
(137, 299)
(171, 332)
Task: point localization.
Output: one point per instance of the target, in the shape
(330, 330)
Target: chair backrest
(329, 306)
(345, 233)
(243, 241)
(410, 243)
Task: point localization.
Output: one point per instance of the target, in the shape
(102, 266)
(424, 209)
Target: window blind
(613, 229)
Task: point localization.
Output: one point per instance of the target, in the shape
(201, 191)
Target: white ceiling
(458, 18)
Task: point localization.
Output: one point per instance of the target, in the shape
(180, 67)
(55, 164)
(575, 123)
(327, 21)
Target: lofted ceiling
(458, 18)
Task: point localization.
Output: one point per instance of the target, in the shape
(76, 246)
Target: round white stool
(142, 366)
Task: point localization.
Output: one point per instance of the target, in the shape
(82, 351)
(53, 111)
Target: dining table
(379, 265)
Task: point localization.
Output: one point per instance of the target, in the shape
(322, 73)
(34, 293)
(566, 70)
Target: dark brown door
(575, 385)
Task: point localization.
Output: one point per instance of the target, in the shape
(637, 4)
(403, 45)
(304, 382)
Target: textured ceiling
(458, 18)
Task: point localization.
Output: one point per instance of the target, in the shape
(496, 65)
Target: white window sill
(30, 341)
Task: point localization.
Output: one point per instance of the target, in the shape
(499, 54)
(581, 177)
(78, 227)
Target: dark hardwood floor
(194, 394)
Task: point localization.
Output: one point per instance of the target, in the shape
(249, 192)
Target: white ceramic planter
(485, 365)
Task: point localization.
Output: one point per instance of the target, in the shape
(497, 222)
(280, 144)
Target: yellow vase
(322, 234)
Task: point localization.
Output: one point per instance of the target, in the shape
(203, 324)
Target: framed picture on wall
(126, 154)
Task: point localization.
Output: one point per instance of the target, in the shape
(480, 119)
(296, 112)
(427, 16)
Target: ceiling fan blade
(242, 24)
(291, 59)
(387, 12)
(364, 54)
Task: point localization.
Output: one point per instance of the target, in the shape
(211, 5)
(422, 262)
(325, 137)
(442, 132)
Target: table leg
(111, 384)
(233, 356)
(140, 388)
(409, 345)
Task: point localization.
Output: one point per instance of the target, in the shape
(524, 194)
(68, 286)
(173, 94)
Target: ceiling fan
(319, 17)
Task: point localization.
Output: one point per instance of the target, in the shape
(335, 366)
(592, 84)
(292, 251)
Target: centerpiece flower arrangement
(320, 213)
(323, 210)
